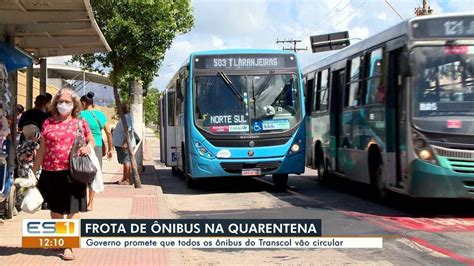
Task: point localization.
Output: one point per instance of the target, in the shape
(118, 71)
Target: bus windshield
(246, 104)
(444, 89)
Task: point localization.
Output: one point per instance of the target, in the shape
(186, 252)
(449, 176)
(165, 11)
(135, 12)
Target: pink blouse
(59, 138)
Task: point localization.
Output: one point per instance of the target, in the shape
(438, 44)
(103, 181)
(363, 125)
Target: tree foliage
(138, 32)
(151, 105)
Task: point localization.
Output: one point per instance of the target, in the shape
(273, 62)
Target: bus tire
(378, 179)
(322, 169)
(280, 181)
(10, 203)
(190, 182)
(174, 171)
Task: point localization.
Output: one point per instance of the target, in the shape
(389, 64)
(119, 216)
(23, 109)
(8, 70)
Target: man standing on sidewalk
(35, 116)
(120, 144)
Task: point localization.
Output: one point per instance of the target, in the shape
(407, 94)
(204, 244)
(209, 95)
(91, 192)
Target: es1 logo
(50, 227)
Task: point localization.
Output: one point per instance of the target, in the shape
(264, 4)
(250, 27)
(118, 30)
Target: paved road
(415, 232)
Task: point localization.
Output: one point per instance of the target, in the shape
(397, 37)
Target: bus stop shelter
(46, 28)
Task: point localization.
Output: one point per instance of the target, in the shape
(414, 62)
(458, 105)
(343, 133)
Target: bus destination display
(446, 27)
(242, 62)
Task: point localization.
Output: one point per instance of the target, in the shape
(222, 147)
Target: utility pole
(294, 43)
(424, 10)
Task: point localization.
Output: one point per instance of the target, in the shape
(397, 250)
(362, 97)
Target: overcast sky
(221, 24)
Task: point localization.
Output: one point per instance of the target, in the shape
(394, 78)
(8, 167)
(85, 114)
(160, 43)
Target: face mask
(65, 108)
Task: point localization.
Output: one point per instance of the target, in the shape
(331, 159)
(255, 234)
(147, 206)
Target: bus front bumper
(203, 167)
(433, 181)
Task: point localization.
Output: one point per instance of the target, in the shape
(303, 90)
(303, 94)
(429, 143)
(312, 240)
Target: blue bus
(235, 113)
(396, 110)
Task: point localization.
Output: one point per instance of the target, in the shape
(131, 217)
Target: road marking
(441, 250)
(432, 225)
(422, 248)
(390, 225)
(397, 224)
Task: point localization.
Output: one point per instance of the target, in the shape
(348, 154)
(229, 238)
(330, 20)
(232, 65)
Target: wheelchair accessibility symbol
(173, 157)
(257, 126)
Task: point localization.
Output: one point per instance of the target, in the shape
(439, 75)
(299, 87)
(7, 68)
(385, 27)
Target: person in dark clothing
(47, 108)
(35, 116)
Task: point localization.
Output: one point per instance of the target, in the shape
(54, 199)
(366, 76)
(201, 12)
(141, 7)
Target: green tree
(138, 32)
(151, 105)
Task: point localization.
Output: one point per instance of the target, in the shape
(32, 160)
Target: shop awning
(52, 27)
(12, 58)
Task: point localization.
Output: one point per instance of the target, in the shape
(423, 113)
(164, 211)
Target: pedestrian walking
(65, 197)
(121, 147)
(97, 122)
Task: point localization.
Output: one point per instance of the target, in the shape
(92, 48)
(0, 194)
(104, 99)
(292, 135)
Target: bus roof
(228, 51)
(391, 33)
(241, 51)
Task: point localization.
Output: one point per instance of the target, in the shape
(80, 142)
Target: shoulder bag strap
(97, 120)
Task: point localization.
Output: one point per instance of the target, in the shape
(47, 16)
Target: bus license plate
(251, 172)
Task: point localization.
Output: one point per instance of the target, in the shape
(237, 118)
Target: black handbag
(81, 167)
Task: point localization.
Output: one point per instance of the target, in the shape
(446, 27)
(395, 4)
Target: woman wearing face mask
(63, 196)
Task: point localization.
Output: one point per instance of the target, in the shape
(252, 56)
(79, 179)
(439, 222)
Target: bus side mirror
(405, 64)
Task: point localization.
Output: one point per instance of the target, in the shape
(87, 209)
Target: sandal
(69, 255)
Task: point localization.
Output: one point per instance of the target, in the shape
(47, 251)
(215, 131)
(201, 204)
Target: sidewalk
(115, 202)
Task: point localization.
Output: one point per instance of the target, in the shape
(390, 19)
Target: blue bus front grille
(237, 167)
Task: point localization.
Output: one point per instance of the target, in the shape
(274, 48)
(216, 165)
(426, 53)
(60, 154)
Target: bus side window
(353, 84)
(308, 94)
(171, 108)
(375, 84)
(317, 91)
(323, 90)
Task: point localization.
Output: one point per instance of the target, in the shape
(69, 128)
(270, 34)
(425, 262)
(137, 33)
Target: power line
(355, 12)
(330, 11)
(393, 8)
(330, 19)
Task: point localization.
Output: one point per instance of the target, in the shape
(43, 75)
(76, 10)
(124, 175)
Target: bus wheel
(280, 181)
(174, 171)
(190, 182)
(378, 183)
(322, 172)
(10, 203)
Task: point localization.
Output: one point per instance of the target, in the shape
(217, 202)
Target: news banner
(191, 233)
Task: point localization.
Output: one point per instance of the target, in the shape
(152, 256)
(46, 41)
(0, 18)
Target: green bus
(396, 110)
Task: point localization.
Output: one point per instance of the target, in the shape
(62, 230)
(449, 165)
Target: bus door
(396, 118)
(170, 129)
(338, 82)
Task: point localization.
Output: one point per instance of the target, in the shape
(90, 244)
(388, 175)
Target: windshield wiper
(263, 86)
(231, 85)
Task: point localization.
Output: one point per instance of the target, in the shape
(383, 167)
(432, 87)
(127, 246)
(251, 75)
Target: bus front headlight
(423, 149)
(201, 150)
(295, 148)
